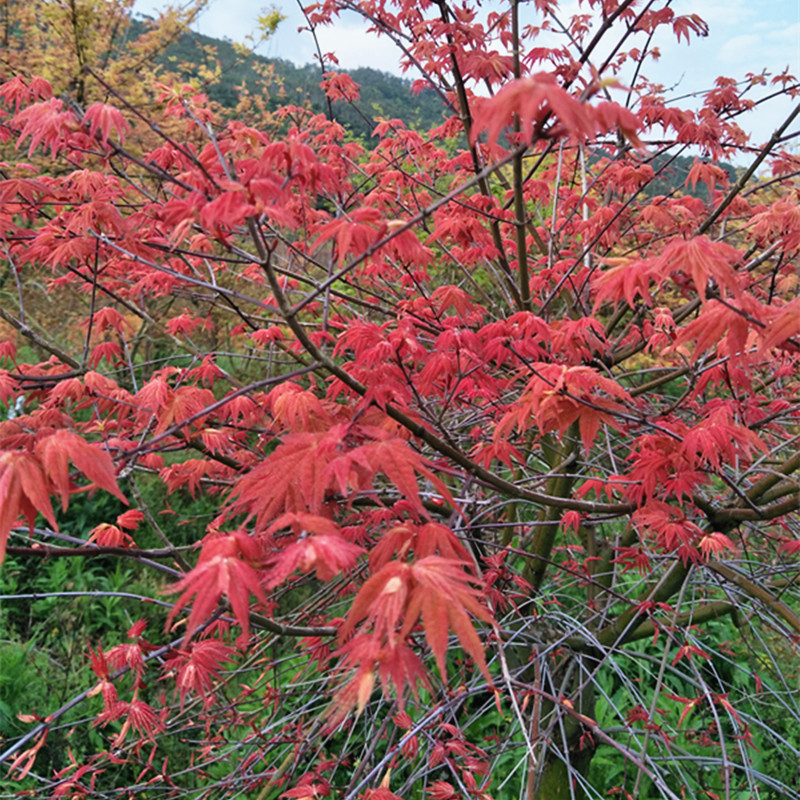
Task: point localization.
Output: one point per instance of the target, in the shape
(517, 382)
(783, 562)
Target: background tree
(66, 42)
(494, 451)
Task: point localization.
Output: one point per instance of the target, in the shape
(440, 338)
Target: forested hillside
(224, 69)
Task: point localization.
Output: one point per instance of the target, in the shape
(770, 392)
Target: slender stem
(518, 180)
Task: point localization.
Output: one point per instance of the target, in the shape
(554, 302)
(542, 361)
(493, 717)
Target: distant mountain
(672, 172)
(382, 94)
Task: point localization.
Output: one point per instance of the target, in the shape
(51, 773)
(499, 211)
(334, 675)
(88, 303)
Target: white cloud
(354, 47)
(719, 14)
(738, 50)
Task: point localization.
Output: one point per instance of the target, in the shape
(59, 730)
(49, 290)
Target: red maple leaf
(339, 86)
(309, 469)
(702, 260)
(433, 591)
(353, 233)
(228, 211)
(557, 396)
(693, 23)
(23, 491)
(197, 667)
(225, 568)
(46, 123)
(101, 118)
(425, 540)
(328, 554)
(57, 450)
(533, 100)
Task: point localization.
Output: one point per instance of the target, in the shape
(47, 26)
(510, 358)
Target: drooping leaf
(226, 568)
(23, 492)
(58, 449)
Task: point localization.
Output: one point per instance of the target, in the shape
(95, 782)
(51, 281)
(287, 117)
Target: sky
(745, 36)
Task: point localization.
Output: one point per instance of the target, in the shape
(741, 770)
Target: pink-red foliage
(419, 436)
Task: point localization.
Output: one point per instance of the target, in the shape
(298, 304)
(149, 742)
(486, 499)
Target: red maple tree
(499, 427)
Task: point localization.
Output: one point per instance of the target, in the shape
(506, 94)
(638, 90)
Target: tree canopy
(463, 466)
